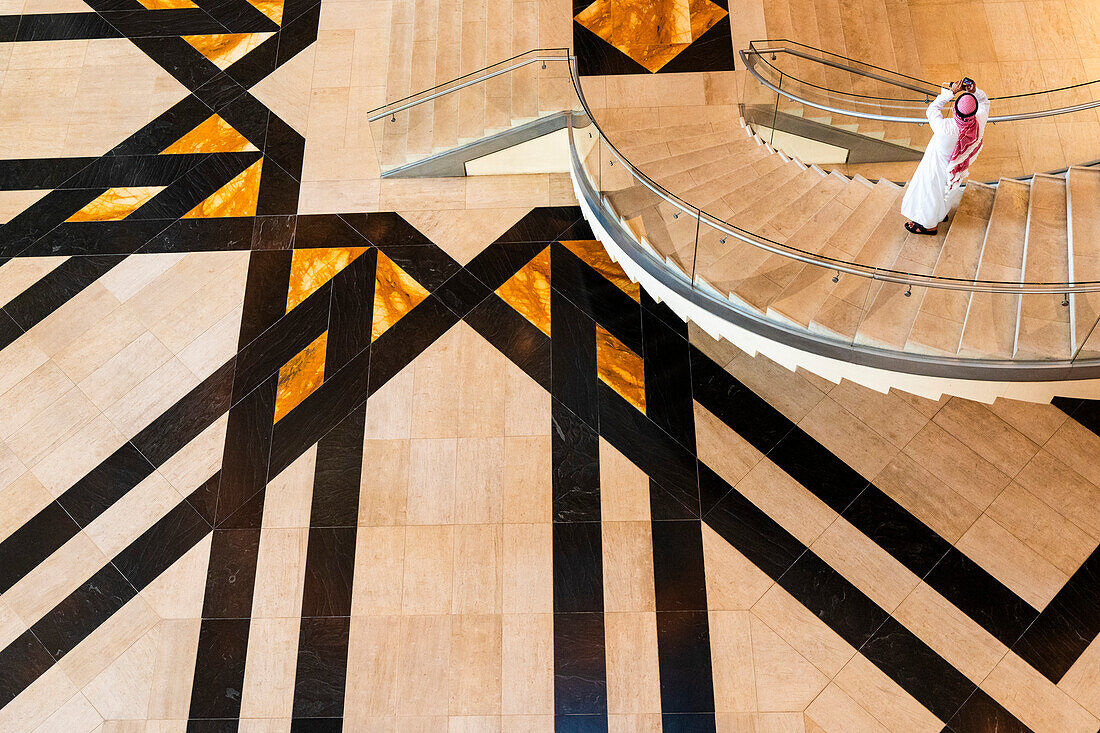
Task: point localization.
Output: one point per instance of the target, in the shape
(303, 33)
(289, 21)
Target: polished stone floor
(284, 446)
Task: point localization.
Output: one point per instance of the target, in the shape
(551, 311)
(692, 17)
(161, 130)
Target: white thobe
(926, 199)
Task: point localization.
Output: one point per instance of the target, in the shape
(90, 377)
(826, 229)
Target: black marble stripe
(350, 312)
(265, 295)
(85, 609)
(56, 288)
(1068, 624)
(668, 400)
(573, 358)
(843, 607)
(330, 565)
(986, 600)
(37, 173)
(514, 336)
(65, 27)
(596, 296)
(38, 219)
(500, 260)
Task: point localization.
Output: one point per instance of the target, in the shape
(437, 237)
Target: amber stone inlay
(596, 257)
(224, 49)
(215, 135)
(528, 291)
(652, 32)
(300, 376)
(620, 368)
(236, 198)
(167, 4)
(395, 294)
(115, 204)
(271, 8)
(312, 268)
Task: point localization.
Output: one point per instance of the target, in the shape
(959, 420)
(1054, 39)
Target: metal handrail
(833, 265)
(745, 55)
(809, 258)
(388, 108)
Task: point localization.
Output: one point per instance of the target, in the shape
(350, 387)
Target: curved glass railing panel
(857, 306)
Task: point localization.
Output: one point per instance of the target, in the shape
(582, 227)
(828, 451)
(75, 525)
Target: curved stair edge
(873, 368)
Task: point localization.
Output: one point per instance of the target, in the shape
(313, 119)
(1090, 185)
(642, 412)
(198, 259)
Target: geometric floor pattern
(396, 493)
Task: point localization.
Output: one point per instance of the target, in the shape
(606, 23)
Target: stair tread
(990, 325)
(1084, 203)
(1043, 329)
(939, 322)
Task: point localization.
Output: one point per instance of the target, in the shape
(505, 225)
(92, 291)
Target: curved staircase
(1045, 230)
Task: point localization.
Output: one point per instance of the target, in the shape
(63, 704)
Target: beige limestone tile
(268, 690)
(77, 715)
(20, 273)
(478, 570)
(280, 570)
(51, 427)
(389, 410)
(833, 711)
(374, 650)
(179, 282)
(1034, 699)
(81, 312)
(1077, 447)
(122, 690)
(247, 725)
(528, 568)
(21, 498)
(38, 701)
(761, 723)
(1041, 528)
(1080, 681)
(199, 459)
(631, 648)
(136, 271)
(288, 495)
(950, 633)
(865, 564)
(428, 571)
(1035, 420)
(79, 454)
(527, 491)
(624, 488)
(888, 414)
(94, 347)
(954, 463)
(527, 663)
(286, 91)
(1012, 562)
(527, 724)
(132, 514)
(215, 346)
(926, 497)
(424, 665)
(384, 483)
(497, 191)
(848, 437)
(334, 197)
(178, 592)
(432, 476)
(19, 359)
(733, 582)
(993, 438)
(885, 699)
(35, 392)
(412, 194)
(379, 569)
(13, 203)
(195, 315)
(125, 370)
(636, 723)
(479, 479)
(170, 697)
(627, 566)
(561, 190)
(732, 661)
(803, 631)
(526, 406)
(721, 352)
(787, 391)
(786, 501)
(475, 664)
(464, 234)
(153, 396)
(109, 641)
(785, 680)
(723, 450)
